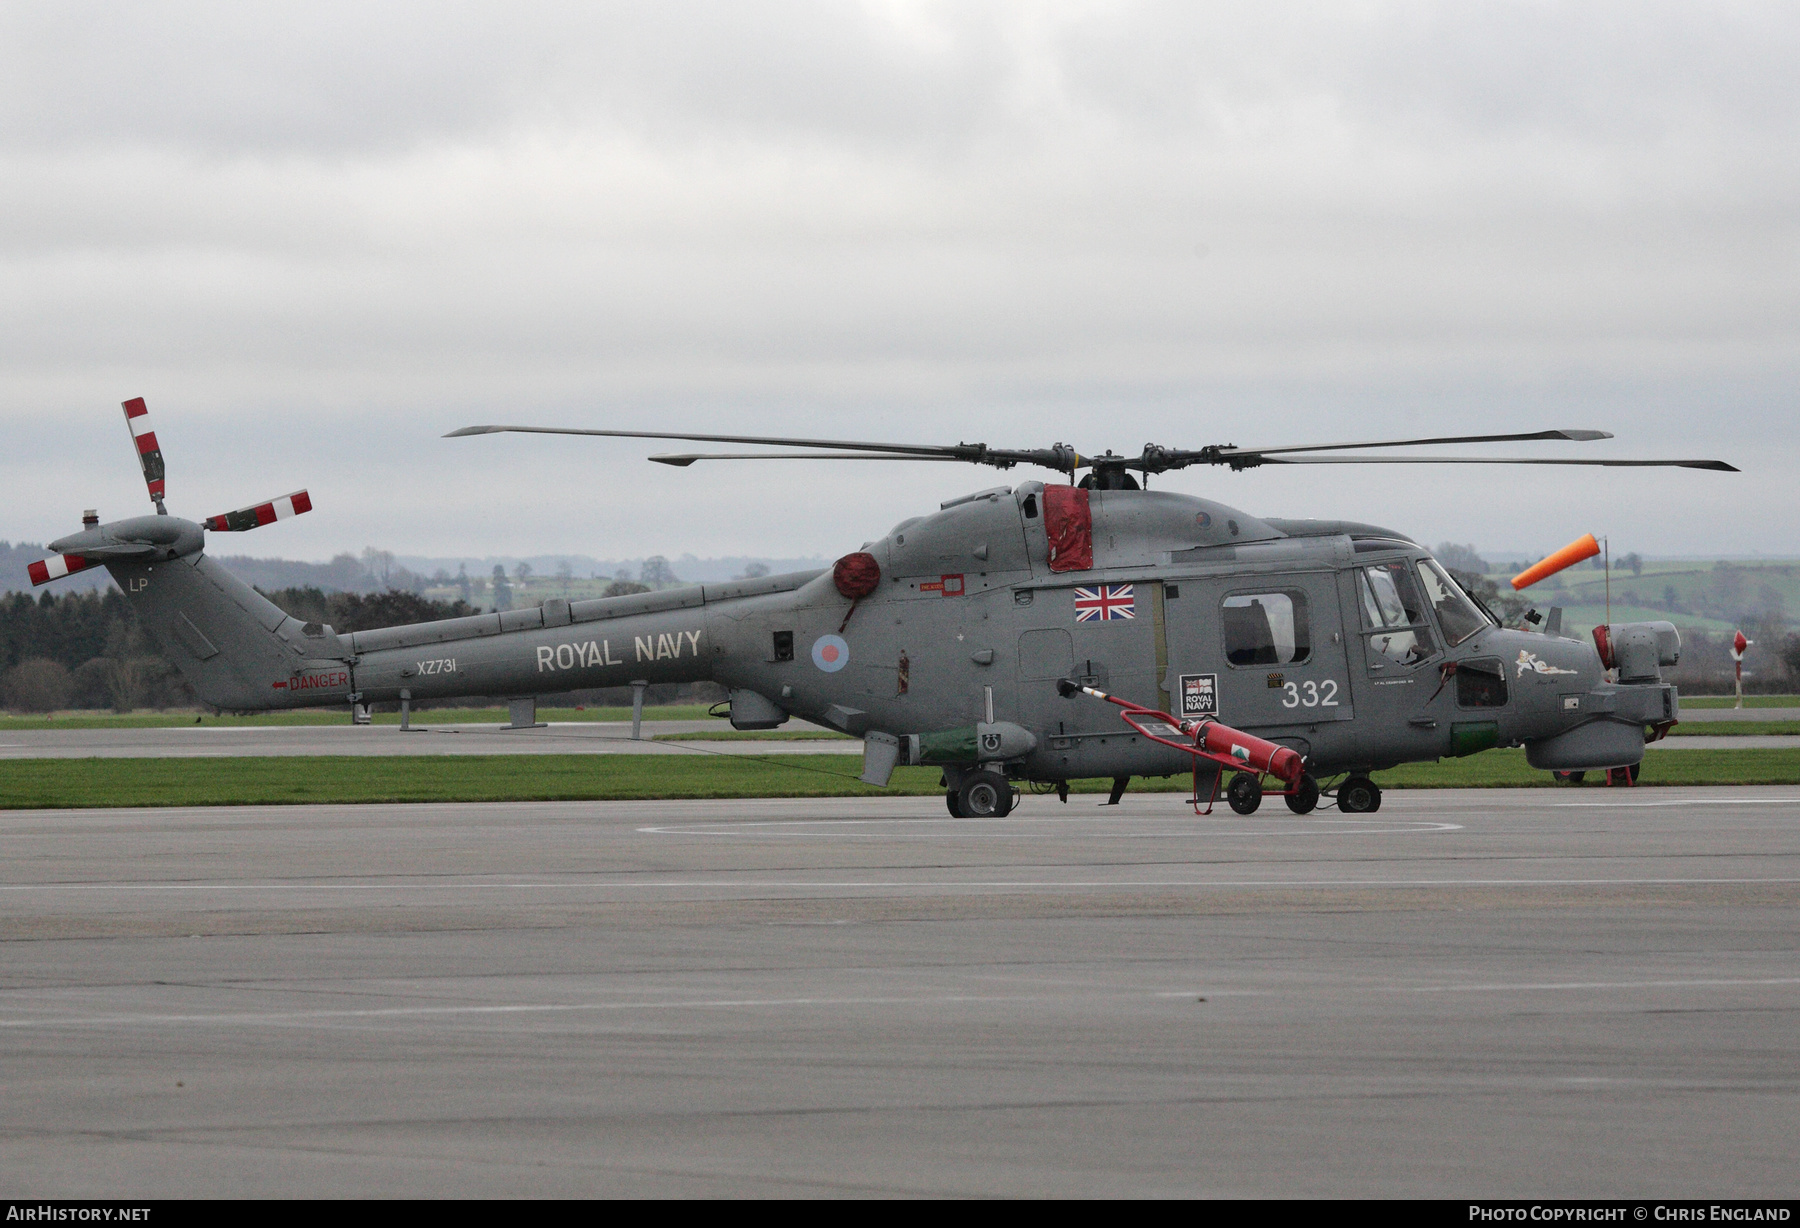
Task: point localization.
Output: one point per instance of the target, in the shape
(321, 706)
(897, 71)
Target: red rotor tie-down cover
(1069, 524)
(1603, 641)
(856, 575)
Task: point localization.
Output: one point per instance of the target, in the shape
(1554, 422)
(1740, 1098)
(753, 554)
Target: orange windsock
(1582, 548)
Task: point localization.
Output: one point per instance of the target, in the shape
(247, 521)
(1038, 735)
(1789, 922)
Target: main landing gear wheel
(1359, 795)
(1304, 797)
(983, 795)
(1244, 793)
(1569, 778)
(953, 805)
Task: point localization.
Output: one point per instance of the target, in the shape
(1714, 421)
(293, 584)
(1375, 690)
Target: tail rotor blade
(137, 418)
(260, 514)
(57, 566)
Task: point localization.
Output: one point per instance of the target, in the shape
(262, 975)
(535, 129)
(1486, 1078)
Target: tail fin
(234, 646)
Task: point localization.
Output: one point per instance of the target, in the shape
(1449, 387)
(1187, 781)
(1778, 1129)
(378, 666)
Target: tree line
(88, 650)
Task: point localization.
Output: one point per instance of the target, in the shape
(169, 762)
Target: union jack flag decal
(1105, 603)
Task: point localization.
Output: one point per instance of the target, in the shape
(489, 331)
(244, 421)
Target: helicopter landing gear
(1245, 793)
(1304, 797)
(982, 795)
(1359, 795)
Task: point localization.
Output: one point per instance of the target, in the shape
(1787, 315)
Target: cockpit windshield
(1457, 616)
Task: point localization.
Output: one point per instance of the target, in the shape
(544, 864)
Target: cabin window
(1457, 616)
(1393, 615)
(1267, 628)
(1031, 507)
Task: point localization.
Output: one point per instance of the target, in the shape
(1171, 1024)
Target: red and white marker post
(1738, 645)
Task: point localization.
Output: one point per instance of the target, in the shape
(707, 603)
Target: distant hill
(15, 558)
(375, 570)
(688, 567)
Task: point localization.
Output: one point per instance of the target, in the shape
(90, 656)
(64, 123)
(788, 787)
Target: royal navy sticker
(1199, 695)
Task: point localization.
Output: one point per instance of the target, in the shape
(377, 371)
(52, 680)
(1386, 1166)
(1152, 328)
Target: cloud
(316, 238)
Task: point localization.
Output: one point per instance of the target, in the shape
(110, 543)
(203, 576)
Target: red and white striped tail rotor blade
(57, 566)
(255, 517)
(137, 417)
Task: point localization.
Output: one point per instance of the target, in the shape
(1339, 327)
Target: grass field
(1750, 701)
(63, 783)
(1723, 729)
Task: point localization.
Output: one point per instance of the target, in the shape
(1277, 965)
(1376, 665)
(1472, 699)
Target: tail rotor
(153, 538)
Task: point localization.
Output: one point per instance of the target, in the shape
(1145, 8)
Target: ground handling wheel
(1244, 793)
(1359, 795)
(984, 795)
(1304, 797)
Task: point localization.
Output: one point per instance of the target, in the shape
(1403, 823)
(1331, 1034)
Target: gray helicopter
(982, 638)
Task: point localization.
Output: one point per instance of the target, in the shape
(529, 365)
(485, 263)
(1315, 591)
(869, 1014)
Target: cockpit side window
(1456, 614)
(1394, 615)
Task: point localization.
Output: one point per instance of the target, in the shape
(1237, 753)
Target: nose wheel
(1359, 795)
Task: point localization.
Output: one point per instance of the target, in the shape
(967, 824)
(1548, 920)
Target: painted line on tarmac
(289, 1018)
(304, 1018)
(1515, 987)
(1697, 801)
(906, 885)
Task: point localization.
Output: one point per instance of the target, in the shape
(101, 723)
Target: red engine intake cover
(1603, 641)
(856, 575)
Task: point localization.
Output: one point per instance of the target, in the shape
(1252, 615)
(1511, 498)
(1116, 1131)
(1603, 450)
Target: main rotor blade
(684, 459)
(1521, 437)
(958, 452)
(1251, 462)
(137, 421)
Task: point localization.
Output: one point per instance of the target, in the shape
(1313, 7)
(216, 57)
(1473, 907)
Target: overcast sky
(316, 237)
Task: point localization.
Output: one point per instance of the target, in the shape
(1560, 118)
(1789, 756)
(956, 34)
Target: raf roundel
(830, 653)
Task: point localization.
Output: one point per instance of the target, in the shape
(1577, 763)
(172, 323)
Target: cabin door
(1257, 650)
